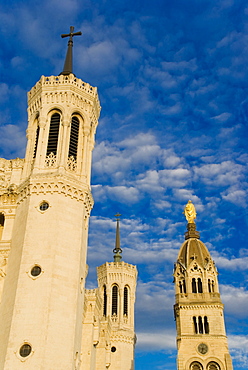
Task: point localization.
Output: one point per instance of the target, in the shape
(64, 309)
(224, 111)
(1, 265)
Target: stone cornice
(194, 306)
(60, 185)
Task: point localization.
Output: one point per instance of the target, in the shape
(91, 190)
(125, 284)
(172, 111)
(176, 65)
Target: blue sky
(173, 81)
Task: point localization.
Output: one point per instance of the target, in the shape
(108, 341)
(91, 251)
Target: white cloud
(235, 300)
(233, 264)
(219, 174)
(236, 197)
(156, 341)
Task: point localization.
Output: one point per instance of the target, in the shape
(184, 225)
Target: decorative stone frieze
(56, 185)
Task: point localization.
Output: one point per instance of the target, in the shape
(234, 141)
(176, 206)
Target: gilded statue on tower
(190, 212)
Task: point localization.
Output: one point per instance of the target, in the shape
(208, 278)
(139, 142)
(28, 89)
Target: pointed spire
(68, 60)
(117, 251)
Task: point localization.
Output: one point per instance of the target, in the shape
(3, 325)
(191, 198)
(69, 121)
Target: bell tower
(117, 287)
(43, 294)
(201, 337)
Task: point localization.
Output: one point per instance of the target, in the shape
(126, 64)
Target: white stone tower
(43, 296)
(201, 336)
(110, 315)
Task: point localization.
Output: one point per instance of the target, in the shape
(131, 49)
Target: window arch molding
(196, 365)
(195, 361)
(214, 364)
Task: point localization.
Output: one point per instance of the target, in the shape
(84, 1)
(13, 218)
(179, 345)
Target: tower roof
(193, 248)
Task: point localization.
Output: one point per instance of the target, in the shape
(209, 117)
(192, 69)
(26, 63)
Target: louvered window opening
(104, 301)
(125, 308)
(73, 145)
(36, 141)
(53, 134)
(115, 300)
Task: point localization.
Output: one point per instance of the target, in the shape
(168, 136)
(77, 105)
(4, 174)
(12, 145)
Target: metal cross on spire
(68, 60)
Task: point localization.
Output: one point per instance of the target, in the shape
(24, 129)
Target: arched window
(194, 290)
(209, 286)
(104, 301)
(2, 219)
(36, 140)
(115, 300)
(196, 366)
(199, 285)
(200, 325)
(73, 145)
(195, 325)
(53, 134)
(180, 286)
(125, 302)
(212, 286)
(184, 286)
(213, 366)
(206, 325)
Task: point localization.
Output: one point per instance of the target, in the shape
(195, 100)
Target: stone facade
(201, 336)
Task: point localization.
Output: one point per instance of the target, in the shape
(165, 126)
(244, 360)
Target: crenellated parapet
(64, 90)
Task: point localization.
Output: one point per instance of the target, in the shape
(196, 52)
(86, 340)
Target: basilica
(48, 320)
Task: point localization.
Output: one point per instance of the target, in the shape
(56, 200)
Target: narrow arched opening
(104, 301)
(73, 144)
(37, 133)
(125, 302)
(206, 325)
(209, 286)
(184, 286)
(53, 136)
(200, 325)
(180, 286)
(195, 325)
(199, 283)
(2, 220)
(115, 300)
(194, 289)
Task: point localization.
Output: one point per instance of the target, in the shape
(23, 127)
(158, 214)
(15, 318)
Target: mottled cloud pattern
(173, 84)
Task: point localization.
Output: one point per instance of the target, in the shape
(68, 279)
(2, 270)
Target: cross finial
(68, 60)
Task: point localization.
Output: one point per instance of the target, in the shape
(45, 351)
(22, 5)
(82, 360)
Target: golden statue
(189, 212)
